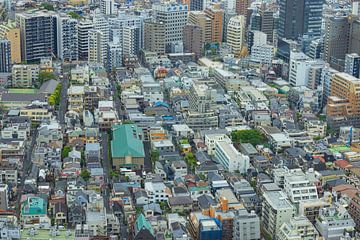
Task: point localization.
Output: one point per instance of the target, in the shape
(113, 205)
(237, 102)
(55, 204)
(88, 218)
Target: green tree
(48, 6)
(45, 76)
(74, 15)
(191, 160)
(85, 174)
(154, 156)
(65, 152)
(127, 122)
(252, 136)
(114, 174)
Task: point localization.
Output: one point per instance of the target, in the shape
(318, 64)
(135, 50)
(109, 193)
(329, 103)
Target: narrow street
(104, 142)
(27, 164)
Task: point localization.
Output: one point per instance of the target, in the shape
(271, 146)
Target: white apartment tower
(236, 34)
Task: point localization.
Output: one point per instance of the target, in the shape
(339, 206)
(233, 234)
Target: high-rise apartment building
(276, 210)
(236, 34)
(300, 17)
(354, 41)
(242, 7)
(38, 35)
(200, 19)
(101, 24)
(115, 55)
(154, 36)
(131, 44)
(10, 32)
(5, 56)
(352, 64)
(197, 5)
(336, 40)
(83, 27)
(193, 39)
(107, 7)
(95, 49)
(174, 17)
(246, 225)
(67, 38)
(216, 15)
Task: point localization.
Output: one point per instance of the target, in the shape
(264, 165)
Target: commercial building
(236, 34)
(300, 17)
(276, 210)
(10, 32)
(246, 225)
(67, 38)
(107, 7)
(336, 40)
(127, 149)
(174, 17)
(5, 56)
(154, 36)
(242, 7)
(262, 54)
(216, 15)
(38, 33)
(231, 159)
(200, 19)
(352, 64)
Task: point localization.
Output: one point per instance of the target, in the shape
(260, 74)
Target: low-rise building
(296, 229)
(231, 159)
(25, 75)
(246, 225)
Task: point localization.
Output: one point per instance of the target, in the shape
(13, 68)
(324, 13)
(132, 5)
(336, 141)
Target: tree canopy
(45, 76)
(85, 174)
(252, 136)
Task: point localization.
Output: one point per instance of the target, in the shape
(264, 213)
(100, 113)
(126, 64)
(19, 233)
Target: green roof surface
(126, 141)
(142, 222)
(34, 206)
(22, 90)
(43, 234)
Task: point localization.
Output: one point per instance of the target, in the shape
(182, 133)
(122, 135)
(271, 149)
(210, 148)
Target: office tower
(216, 15)
(174, 16)
(5, 56)
(242, 7)
(200, 19)
(154, 36)
(300, 17)
(10, 32)
(131, 44)
(267, 23)
(255, 21)
(236, 34)
(354, 36)
(107, 7)
(227, 16)
(67, 43)
(38, 35)
(197, 5)
(95, 50)
(83, 28)
(352, 64)
(193, 39)
(336, 40)
(343, 105)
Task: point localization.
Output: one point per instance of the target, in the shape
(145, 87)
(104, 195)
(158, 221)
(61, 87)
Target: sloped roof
(126, 141)
(143, 223)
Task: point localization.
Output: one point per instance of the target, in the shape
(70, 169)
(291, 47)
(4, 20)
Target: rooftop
(126, 141)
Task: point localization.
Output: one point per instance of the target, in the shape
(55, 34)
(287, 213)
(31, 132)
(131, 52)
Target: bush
(252, 136)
